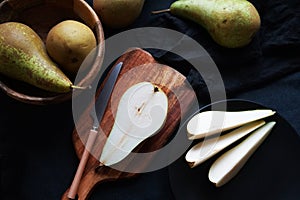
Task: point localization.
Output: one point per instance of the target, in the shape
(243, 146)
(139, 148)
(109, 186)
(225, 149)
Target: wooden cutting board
(138, 66)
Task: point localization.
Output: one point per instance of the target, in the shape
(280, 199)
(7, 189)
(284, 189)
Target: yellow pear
(68, 43)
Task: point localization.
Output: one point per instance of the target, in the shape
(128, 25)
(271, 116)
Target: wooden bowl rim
(86, 81)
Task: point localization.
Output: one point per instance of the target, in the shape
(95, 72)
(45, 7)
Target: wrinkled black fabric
(272, 54)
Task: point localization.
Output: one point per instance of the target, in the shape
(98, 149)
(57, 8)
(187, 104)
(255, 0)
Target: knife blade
(97, 115)
(104, 96)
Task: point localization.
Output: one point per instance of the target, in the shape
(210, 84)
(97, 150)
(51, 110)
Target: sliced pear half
(208, 148)
(231, 162)
(141, 113)
(212, 122)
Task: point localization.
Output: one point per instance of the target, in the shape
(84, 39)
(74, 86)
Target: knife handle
(88, 147)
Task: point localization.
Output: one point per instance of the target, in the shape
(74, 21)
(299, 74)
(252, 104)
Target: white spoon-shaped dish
(212, 122)
(209, 147)
(231, 162)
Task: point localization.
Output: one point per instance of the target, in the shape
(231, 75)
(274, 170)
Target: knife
(96, 114)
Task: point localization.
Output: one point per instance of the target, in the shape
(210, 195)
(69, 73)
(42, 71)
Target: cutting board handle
(87, 182)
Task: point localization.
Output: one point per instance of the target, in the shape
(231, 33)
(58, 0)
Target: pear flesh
(231, 162)
(210, 147)
(231, 23)
(23, 57)
(212, 122)
(141, 113)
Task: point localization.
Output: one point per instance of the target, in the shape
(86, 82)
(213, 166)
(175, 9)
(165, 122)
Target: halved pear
(208, 148)
(231, 162)
(213, 122)
(141, 113)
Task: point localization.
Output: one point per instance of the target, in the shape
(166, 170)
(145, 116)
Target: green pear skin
(231, 23)
(118, 13)
(23, 57)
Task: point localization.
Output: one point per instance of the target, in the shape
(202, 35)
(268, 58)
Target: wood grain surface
(138, 66)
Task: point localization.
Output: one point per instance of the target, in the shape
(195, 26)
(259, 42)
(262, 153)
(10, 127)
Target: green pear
(23, 56)
(118, 13)
(231, 23)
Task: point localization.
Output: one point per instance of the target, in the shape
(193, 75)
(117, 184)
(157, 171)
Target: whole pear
(118, 13)
(68, 43)
(231, 23)
(23, 57)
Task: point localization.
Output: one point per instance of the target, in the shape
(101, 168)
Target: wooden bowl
(41, 16)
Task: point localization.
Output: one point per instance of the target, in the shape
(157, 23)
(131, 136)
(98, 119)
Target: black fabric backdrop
(37, 159)
(264, 60)
(272, 54)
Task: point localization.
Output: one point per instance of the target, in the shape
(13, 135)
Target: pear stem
(161, 11)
